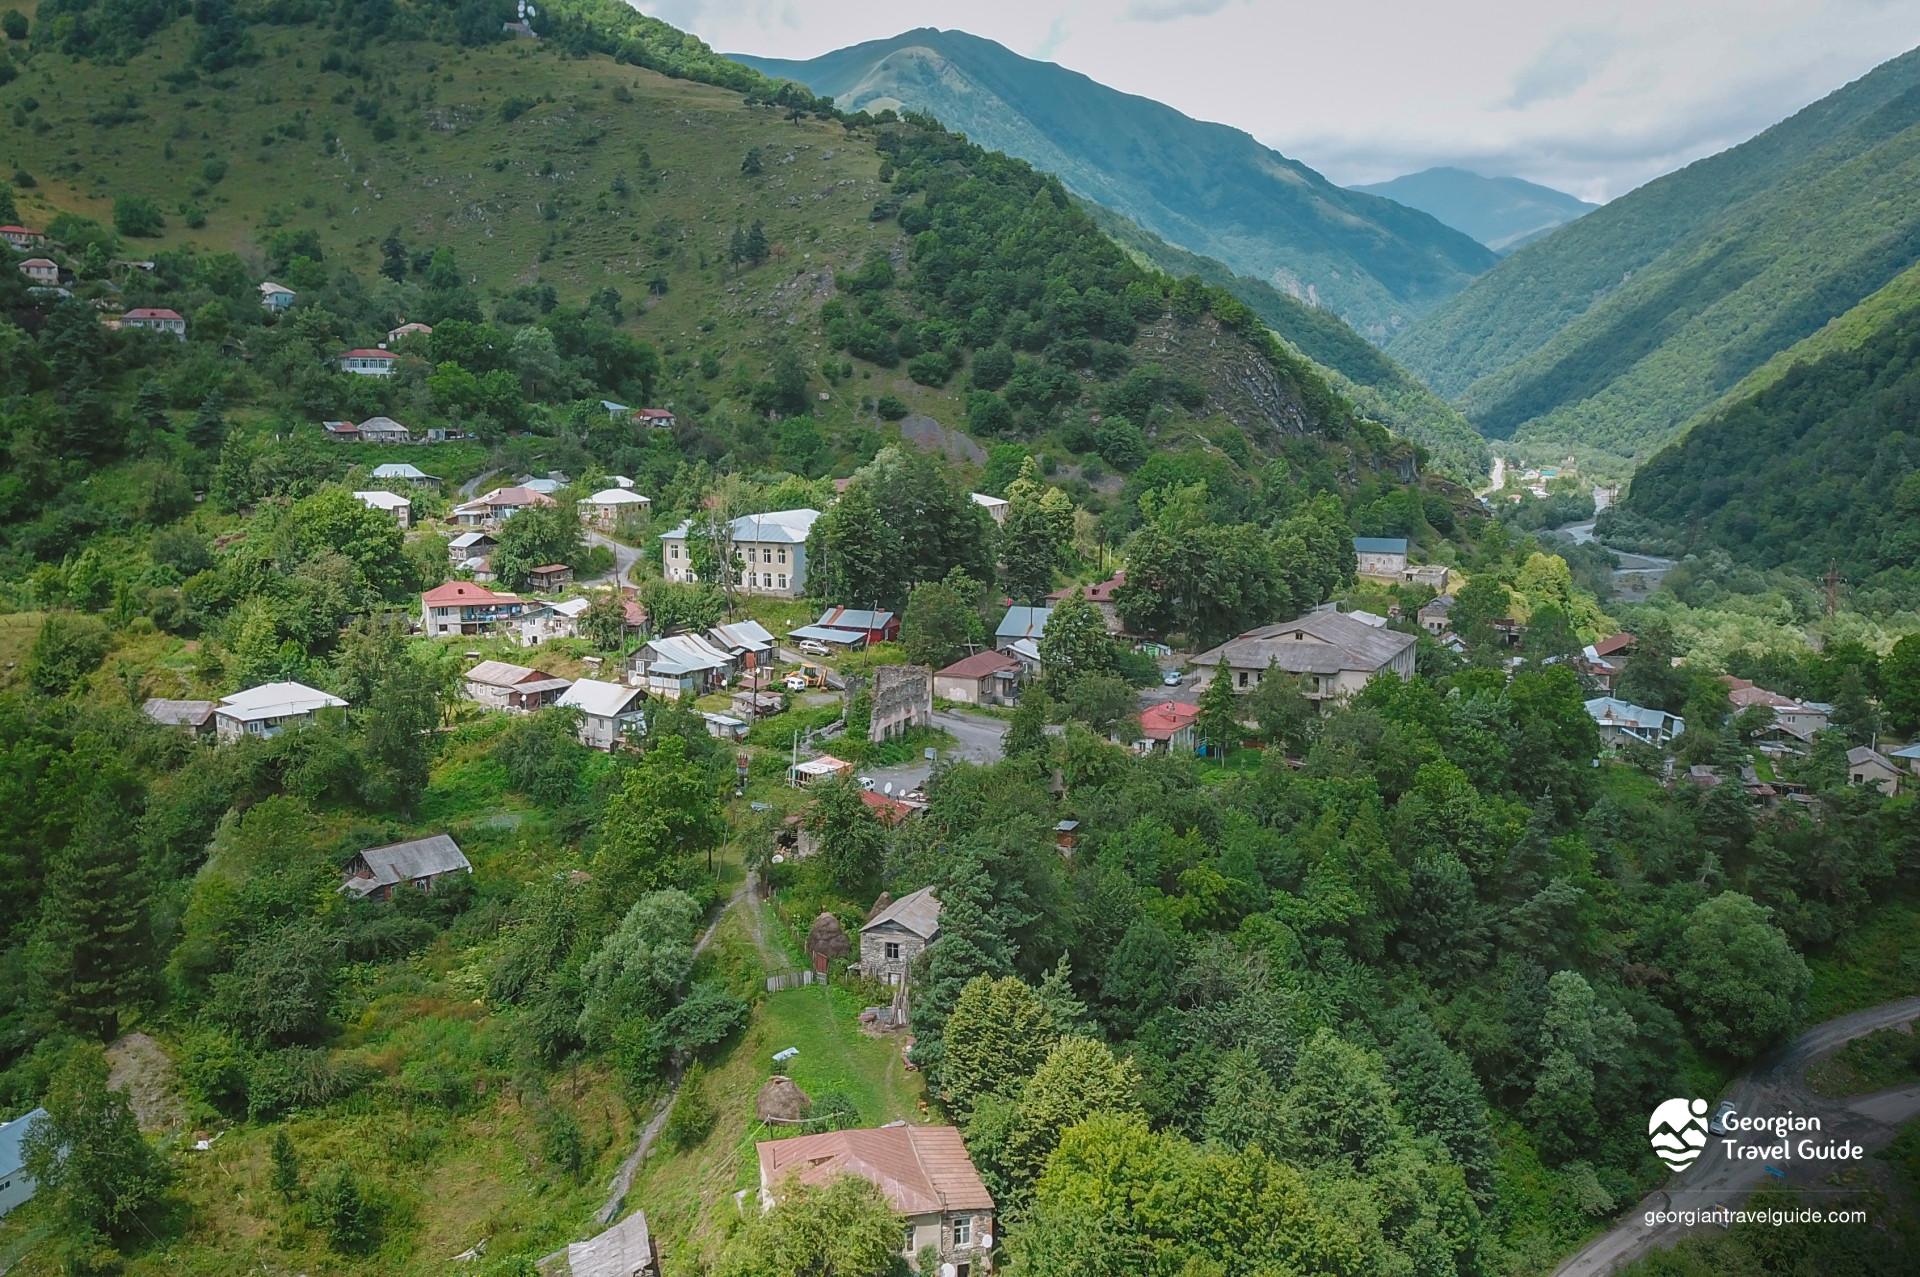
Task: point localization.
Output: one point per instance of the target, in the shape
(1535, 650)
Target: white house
(269, 709)
(1622, 721)
(366, 362)
(156, 319)
(771, 548)
(384, 430)
(404, 472)
(1380, 556)
(40, 270)
(604, 508)
(391, 503)
(1333, 654)
(994, 506)
(16, 1186)
(609, 713)
(22, 237)
(543, 621)
(276, 297)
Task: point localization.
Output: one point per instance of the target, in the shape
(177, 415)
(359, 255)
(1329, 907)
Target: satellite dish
(887, 789)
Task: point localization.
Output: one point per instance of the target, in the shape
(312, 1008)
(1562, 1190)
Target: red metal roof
(1160, 722)
(922, 1170)
(1613, 643)
(364, 353)
(890, 811)
(152, 312)
(453, 592)
(1098, 592)
(979, 665)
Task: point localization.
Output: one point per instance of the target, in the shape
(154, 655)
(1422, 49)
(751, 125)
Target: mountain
(1501, 212)
(1363, 372)
(1813, 460)
(1610, 334)
(1208, 188)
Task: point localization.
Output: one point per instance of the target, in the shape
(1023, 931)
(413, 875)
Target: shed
(377, 871)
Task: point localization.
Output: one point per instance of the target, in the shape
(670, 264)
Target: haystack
(781, 1100)
(827, 937)
(886, 898)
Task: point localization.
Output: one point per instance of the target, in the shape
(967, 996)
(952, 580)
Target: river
(1636, 577)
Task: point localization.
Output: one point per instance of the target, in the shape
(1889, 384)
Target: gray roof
(790, 527)
(918, 913)
(177, 713)
(11, 1135)
(1861, 754)
(405, 861)
(1380, 545)
(1343, 644)
(1023, 622)
(625, 1250)
(749, 636)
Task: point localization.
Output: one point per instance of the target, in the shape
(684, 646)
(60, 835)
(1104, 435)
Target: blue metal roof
(11, 1136)
(1380, 545)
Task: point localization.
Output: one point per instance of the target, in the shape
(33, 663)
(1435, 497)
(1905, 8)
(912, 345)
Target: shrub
(890, 408)
(137, 216)
(692, 1116)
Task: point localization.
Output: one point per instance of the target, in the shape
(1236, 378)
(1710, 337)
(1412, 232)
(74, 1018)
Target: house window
(963, 1231)
(893, 951)
(906, 1241)
(783, 554)
(1243, 678)
(783, 581)
(766, 556)
(673, 550)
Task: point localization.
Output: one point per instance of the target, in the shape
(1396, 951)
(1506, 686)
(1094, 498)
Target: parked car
(814, 647)
(1720, 1115)
(866, 783)
(796, 682)
(1170, 678)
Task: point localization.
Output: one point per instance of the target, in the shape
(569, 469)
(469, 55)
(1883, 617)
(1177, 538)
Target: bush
(890, 408)
(69, 647)
(14, 24)
(137, 216)
(693, 1113)
(338, 1209)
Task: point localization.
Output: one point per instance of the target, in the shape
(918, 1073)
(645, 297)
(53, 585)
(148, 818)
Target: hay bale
(886, 898)
(781, 1100)
(827, 937)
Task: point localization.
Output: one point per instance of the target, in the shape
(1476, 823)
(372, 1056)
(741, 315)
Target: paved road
(624, 559)
(978, 739)
(1776, 1086)
(1159, 693)
(471, 488)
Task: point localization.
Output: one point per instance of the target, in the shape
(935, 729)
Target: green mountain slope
(1813, 460)
(1500, 212)
(1615, 330)
(1206, 187)
(1362, 371)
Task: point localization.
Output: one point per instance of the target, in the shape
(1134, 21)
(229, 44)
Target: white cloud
(1594, 97)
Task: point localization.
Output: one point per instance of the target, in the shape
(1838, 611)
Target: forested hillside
(1500, 212)
(1614, 331)
(1205, 187)
(1377, 385)
(1813, 461)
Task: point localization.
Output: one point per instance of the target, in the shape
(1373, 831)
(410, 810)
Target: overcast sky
(1593, 97)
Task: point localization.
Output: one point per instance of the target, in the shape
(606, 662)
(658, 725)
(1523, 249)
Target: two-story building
(604, 508)
(677, 666)
(276, 297)
(41, 270)
(1100, 594)
(896, 933)
(1622, 722)
(498, 506)
(22, 238)
(771, 550)
(467, 607)
(367, 362)
(923, 1171)
(1333, 654)
(389, 503)
(269, 709)
(610, 714)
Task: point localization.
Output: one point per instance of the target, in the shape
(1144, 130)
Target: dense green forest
(1815, 465)
(1614, 331)
(1206, 187)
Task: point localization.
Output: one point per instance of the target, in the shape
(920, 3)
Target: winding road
(625, 558)
(1776, 1086)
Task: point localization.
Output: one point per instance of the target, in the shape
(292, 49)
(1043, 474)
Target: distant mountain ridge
(1204, 187)
(1501, 212)
(1613, 333)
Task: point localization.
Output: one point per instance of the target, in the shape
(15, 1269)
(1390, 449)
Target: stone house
(895, 935)
(1866, 766)
(1380, 556)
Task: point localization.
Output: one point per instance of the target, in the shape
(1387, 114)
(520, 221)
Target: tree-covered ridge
(1816, 465)
(1615, 330)
(1206, 187)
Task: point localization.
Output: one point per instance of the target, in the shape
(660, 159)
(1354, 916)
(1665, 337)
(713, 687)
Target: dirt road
(1776, 1086)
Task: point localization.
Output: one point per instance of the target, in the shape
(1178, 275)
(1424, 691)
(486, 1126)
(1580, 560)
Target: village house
(365, 362)
(22, 238)
(1334, 655)
(421, 862)
(545, 486)
(1380, 556)
(388, 503)
(542, 622)
(654, 418)
(1433, 615)
(466, 607)
(193, 717)
(406, 330)
(1801, 718)
(1621, 722)
(850, 627)
(1867, 766)
(341, 431)
(156, 319)
(748, 644)
(609, 713)
(923, 1171)
(516, 689)
(404, 472)
(771, 549)
(1019, 631)
(1168, 728)
(498, 506)
(624, 1250)
(1432, 575)
(16, 1184)
(604, 508)
(276, 297)
(470, 545)
(1100, 594)
(1603, 661)
(384, 430)
(996, 507)
(676, 666)
(40, 270)
(269, 709)
(895, 935)
(549, 577)
(985, 678)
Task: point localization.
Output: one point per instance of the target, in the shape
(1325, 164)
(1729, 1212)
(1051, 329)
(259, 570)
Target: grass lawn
(1239, 762)
(1890, 1057)
(1873, 962)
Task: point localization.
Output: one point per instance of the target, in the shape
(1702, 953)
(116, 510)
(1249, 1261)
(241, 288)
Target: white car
(814, 647)
(1720, 1115)
(796, 682)
(866, 783)
(1170, 678)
